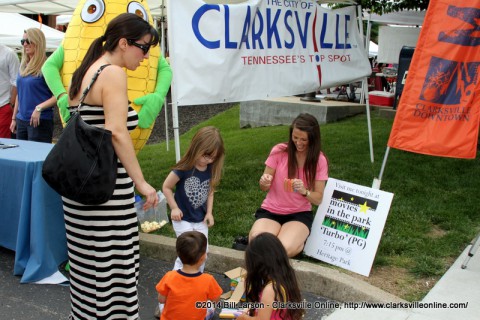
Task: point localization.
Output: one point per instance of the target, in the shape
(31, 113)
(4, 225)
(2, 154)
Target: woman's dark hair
(267, 261)
(309, 124)
(126, 25)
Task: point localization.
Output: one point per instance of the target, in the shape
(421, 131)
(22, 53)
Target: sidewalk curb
(313, 278)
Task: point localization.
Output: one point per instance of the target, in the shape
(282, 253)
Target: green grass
(435, 210)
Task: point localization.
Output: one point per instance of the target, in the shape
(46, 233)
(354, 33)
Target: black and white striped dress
(103, 245)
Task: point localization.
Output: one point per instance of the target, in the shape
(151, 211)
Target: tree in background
(386, 6)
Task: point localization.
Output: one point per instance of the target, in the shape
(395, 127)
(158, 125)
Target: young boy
(186, 292)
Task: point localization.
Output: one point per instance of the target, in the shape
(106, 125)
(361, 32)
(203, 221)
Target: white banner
(348, 225)
(261, 49)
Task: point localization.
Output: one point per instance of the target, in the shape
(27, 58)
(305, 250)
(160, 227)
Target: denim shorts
(305, 217)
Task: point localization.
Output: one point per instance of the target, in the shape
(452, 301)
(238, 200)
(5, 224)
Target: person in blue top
(33, 115)
(195, 178)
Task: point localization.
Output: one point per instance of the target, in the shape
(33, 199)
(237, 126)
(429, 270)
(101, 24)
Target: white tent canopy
(56, 7)
(61, 7)
(405, 18)
(12, 26)
(35, 6)
(63, 19)
(397, 29)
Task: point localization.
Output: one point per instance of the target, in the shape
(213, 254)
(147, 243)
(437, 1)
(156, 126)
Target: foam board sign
(348, 225)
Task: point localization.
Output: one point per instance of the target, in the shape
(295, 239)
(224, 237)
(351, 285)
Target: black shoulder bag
(82, 166)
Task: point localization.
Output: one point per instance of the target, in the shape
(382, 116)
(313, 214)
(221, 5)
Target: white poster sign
(348, 225)
(261, 49)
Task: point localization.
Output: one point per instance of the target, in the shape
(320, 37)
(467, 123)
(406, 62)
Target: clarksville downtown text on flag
(439, 112)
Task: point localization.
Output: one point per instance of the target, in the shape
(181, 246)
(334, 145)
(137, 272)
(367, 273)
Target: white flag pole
(378, 181)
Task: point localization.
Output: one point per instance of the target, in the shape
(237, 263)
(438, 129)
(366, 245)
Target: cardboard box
(237, 285)
(381, 98)
(236, 293)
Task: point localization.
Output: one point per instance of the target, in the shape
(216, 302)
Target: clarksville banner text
(261, 49)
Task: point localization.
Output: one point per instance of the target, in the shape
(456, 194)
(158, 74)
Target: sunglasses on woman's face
(144, 47)
(23, 41)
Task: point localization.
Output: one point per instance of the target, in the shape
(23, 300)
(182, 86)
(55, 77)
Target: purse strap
(87, 89)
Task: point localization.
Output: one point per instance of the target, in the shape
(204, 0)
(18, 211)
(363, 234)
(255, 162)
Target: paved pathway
(51, 302)
(455, 296)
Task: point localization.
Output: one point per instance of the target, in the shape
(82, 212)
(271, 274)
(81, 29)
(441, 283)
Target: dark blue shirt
(191, 193)
(32, 91)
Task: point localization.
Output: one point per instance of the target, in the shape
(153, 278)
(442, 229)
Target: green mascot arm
(51, 72)
(152, 103)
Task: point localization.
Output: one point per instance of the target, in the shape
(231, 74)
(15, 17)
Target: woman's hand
(176, 214)
(299, 187)
(266, 180)
(13, 126)
(151, 197)
(242, 315)
(35, 118)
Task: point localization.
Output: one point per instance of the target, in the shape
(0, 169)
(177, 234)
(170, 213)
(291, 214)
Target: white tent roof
(406, 17)
(63, 19)
(51, 7)
(12, 26)
(56, 7)
(399, 32)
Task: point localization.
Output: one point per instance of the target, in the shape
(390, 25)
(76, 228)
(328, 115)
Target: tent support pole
(378, 181)
(176, 134)
(165, 103)
(367, 47)
(369, 120)
(364, 91)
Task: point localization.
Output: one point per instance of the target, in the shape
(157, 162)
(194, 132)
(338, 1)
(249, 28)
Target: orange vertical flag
(438, 113)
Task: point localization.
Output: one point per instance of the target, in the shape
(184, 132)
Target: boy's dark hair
(191, 246)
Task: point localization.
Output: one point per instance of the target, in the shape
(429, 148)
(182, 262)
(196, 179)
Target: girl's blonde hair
(33, 66)
(207, 141)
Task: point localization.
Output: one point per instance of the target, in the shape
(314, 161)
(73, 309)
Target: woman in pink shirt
(295, 175)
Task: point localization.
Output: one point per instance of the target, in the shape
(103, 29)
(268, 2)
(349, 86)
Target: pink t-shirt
(284, 202)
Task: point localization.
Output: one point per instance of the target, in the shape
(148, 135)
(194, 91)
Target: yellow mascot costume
(147, 85)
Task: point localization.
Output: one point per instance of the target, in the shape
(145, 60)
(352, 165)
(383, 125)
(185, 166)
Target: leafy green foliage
(385, 6)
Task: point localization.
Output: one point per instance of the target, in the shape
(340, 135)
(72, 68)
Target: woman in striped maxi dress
(103, 241)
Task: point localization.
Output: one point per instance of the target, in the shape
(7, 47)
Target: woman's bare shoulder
(113, 71)
(113, 76)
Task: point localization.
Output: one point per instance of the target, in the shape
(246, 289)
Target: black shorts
(305, 217)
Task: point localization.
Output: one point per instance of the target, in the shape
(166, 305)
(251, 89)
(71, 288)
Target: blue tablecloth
(31, 213)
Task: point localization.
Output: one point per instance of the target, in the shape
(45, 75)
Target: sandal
(240, 243)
